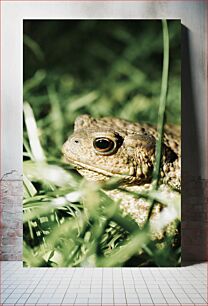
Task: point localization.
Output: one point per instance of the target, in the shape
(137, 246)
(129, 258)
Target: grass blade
(34, 47)
(161, 112)
(32, 131)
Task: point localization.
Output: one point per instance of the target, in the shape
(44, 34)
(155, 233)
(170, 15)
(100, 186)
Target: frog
(108, 147)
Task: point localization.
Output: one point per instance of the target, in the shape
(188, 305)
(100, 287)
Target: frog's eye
(104, 145)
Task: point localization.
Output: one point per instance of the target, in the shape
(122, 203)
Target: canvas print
(102, 153)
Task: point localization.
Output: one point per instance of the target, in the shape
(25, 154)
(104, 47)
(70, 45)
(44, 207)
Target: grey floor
(103, 286)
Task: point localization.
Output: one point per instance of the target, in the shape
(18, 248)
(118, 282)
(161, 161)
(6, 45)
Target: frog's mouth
(81, 166)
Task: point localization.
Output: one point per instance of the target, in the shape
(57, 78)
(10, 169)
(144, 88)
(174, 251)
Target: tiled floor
(109, 286)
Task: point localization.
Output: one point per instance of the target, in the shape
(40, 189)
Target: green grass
(124, 73)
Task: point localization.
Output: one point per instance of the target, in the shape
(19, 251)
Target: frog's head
(99, 150)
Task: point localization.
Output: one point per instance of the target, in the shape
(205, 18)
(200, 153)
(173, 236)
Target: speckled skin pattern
(132, 159)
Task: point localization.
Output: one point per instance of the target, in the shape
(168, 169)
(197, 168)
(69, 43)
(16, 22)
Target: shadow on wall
(194, 206)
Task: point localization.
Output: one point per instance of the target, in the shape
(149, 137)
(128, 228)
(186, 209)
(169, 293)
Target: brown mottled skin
(132, 157)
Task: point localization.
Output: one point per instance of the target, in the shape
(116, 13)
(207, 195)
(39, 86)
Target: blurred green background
(102, 68)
